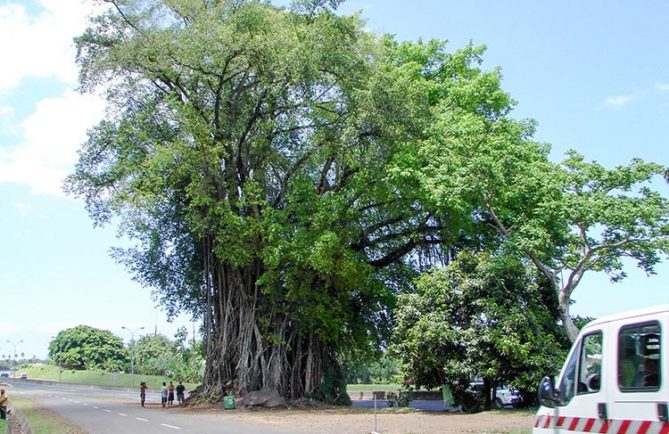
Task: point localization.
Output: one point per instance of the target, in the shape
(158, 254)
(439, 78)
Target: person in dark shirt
(180, 393)
(142, 392)
(3, 404)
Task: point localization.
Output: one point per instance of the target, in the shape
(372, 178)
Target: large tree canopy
(85, 347)
(247, 149)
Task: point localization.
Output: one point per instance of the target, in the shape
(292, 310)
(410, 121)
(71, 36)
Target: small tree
(482, 316)
(153, 354)
(85, 347)
(157, 354)
(566, 218)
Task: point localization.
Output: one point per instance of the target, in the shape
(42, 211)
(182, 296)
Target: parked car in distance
(4, 375)
(505, 396)
(24, 376)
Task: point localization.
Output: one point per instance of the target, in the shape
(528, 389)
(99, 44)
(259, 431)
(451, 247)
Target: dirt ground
(396, 421)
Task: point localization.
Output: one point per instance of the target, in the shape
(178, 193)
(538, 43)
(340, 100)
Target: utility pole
(14, 343)
(132, 352)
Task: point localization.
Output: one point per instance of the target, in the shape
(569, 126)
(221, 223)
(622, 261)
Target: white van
(615, 379)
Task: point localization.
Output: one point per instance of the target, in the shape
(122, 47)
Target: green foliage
(332, 390)
(401, 398)
(383, 369)
(85, 347)
(251, 143)
(567, 218)
(482, 316)
(581, 322)
(285, 173)
(155, 355)
(97, 377)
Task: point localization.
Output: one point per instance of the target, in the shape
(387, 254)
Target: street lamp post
(132, 351)
(60, 365)
(14, 343)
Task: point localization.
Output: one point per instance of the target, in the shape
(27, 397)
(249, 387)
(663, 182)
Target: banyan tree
(252, 154)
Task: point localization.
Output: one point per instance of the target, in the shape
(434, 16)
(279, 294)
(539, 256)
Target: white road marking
(85, 405)
(108, 411)
(122, 414)
(143, 420)
(95, 407)
(170, 426)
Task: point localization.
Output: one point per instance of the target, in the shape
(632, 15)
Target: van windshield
(583, 370)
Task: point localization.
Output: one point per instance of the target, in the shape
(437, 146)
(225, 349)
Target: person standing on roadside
(163, 394)
(180, 393)
(3, 404)
(170, 395)
(142, 392)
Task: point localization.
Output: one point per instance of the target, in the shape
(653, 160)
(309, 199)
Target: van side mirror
(546, 394)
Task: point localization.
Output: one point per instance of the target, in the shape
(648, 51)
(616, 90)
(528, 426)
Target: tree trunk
(567, 323)
(488, 390)
(250, 342)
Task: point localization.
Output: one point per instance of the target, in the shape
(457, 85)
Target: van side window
(582, 374)
(590, 366)
(639, 357)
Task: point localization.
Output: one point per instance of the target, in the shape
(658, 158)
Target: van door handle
(601, 410)
(662, 412)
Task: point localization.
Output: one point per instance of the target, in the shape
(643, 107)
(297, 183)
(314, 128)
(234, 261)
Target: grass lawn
(376, 387)
(373, 387)
(42, 420)
(3, 426)
(53, 373)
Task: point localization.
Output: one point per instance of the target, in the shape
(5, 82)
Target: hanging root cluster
(251, 343)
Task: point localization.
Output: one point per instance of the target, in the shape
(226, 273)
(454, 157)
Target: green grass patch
(373, 387)
(99, 378)
(376, 387)
(521, 431)
(42, 420)
(3, 426)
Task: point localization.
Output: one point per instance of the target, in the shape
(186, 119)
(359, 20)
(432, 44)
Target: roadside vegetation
(87, 355)
(42, 420)
(99, 378)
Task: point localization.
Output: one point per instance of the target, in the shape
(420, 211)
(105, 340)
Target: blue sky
(595, 75)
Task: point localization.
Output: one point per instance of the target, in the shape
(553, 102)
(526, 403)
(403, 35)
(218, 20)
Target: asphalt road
(105, 412)
(419, 404)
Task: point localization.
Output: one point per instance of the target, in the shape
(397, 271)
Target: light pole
(14, 343)
(60, 367)
(132, 352)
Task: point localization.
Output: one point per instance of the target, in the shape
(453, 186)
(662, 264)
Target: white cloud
(662, 86)
(22, 208)
(619, 101)
(40, 45)
(52, 135)
(7, 119)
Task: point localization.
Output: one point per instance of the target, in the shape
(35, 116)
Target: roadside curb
(20, 418)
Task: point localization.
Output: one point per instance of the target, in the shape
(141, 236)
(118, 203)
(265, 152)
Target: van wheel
(499, 404)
